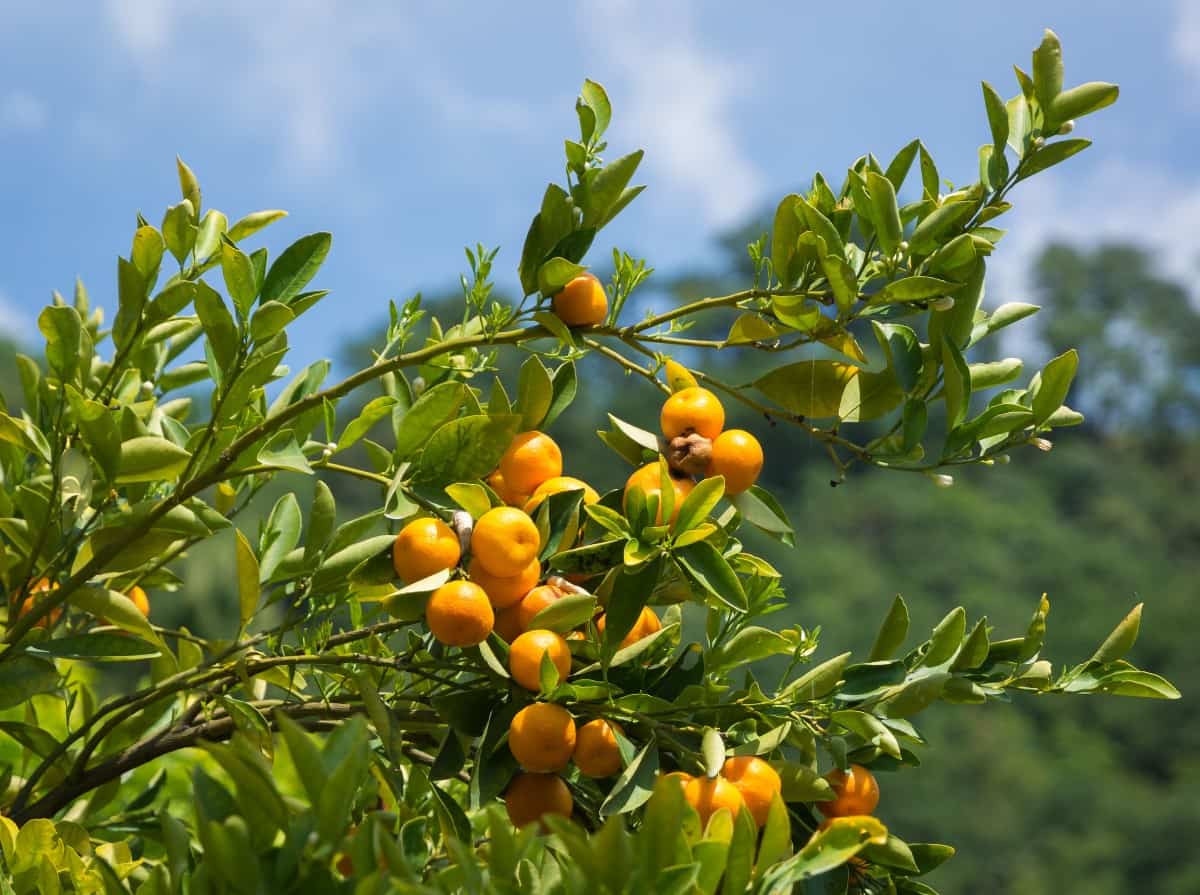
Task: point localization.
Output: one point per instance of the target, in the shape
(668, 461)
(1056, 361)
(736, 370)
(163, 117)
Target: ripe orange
(535, 601)
(856, 792)
(648, 479)
(596, 751)
(683, 777)
(690, 410)
(541, 737)
(459, 614)
(505, 541)
(504, 592)
(581, 302)
(42, 585)
(708, 795)
(737, 455)
(525, 657)
(530, 797)
(756, 780)
(424, 547)
(647, 623)
(557, 484)
(508, 623)
(506, 494)
(532, 458)
(139, 599)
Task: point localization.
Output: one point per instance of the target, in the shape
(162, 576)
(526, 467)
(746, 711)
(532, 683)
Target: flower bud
(942, 480)
(1067, 127)
(1039, 142)
(1003, 460)
(1042, 444)
(418, 385)
(944, 303)
(903, 246)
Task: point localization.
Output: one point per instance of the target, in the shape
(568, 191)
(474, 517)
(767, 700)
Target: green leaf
(842, 281)
(1053, 383)
(699, 503)
(1142, 684)
(98, 647)
(750, 644)
(131, 301)
(62, 329)
(24, 435)
(829, 848)
(887, 214)
(997, 114)
(994, 373)
(535, 391)
(914, 289)
(465, 449)
(636, 783)
(149, 458)
(179, 229)
(897, 170)
(869, 396)
(189, 186)
(240, 280)
(1121, 640)
(563, 386)
(1051, 154)
(607, 187)
(283, 452)
(218, 324)
(1048, 69)
(270, 318)
(565, 613)
(253, 222)
(596, 98)
(435, 407)
(930, 182)
(784, 234)
(942, 220)
(870, 728)
(1083, 100)
(763, 511)
(22, 677)
(946, 638)
(708, 569)
(822, 227)
(280, 535)
(812, 388)
(957, 386)
(247, 578)
(471, 497)
(893, 853)
(371, 414)
(816, 682)
(293, 269)
(892, 632)
(556, 273)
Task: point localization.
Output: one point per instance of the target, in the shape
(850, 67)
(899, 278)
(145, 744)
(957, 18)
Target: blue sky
(410, 132)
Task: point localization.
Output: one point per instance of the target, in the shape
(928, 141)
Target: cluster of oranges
(693, 424)
(503, 591)
(136, 595)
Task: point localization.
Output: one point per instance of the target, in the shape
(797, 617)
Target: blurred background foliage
(1093, 796)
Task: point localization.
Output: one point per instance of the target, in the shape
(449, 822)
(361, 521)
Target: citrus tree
(499, 679)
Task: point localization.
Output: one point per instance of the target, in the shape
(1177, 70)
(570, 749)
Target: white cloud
(22, 112)
(1116, 201)
(678, 97)
(143, 26)
(14, 320)
(1185, 37)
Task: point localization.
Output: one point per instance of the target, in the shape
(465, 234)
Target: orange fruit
(459, 614)
(596, 750)
(530, 797)
(647, 623)
(581, 302)
(648, 479)
(690, 410)
(531, 458)
(506, 494)
(424, 547)
(756, 780)
(505, 541)
(42, 585)
(708, 795)
(541, 737)
(737, 455)
(683, 777)
(139, 599)
(535, 601)
(508, 623)
(855, 792)
(525, 657)
(504, 592)
(557, 484)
